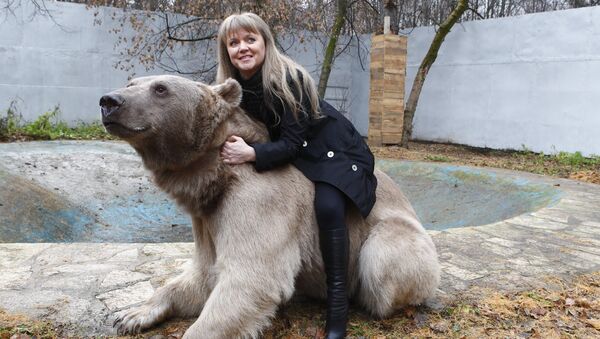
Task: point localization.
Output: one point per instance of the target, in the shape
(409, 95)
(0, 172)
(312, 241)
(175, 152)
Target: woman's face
(246, 51)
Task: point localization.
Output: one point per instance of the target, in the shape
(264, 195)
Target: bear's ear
(230, 91)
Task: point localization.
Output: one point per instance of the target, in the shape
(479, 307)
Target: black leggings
(330, 207)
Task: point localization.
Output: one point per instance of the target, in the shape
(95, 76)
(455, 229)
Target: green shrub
(437, 158)
(48, 127)
(576, 159)
(9, 124)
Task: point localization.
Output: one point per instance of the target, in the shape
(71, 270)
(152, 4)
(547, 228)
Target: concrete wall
(506, 83)
(529, 81)
(68, 61)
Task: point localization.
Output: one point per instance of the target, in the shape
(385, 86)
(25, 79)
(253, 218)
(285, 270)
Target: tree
(340, 19)
(160, 27)
(428, 60)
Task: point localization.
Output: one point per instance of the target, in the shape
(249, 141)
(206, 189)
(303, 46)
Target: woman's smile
(246, 52)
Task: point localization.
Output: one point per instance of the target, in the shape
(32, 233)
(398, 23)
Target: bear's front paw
(135, 320)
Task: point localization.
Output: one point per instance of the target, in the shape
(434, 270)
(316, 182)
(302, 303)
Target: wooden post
(386, 25)
(386, 102)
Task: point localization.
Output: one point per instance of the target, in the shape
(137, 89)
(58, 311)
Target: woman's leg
(330, 209)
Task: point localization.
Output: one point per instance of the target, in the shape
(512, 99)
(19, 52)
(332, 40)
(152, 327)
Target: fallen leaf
(583, 302)
(420, 319)
(311, 331)
(554, 297)
(539, 311)
(528, 326)
(440, 326)
(176, 335)
(594, 322)
(569, 302)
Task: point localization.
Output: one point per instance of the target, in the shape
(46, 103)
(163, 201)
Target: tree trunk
(340, 19)
(438, 39)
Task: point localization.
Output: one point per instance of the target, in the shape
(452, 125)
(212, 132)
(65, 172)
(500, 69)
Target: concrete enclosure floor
(85, 233)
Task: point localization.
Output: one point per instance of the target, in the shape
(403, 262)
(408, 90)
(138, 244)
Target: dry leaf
(420, 319)
(539, 311)
(311, 331)
(583, 302)
(554, 297)
(440, 326)
(594, 322)
(572, 312)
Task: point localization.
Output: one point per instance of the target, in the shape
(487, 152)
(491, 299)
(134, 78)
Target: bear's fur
(256, 236)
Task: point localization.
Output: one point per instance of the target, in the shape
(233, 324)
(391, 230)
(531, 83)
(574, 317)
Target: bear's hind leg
(397, 266)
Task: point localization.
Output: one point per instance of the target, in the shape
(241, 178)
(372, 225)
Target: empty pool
(72, 191)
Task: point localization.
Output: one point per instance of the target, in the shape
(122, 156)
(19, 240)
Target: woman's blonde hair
(276, 67)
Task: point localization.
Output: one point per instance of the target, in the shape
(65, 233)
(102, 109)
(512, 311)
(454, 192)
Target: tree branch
(170, 36)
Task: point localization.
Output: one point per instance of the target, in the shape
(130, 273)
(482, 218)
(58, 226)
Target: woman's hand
(236, 151)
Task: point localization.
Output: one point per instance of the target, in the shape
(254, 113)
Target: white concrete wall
(529, 81)
(43, 64)
(526, 81)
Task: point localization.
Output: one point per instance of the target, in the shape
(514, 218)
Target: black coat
(326, 149)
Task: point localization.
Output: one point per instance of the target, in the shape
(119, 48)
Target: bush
(47, 127)
(9, 124)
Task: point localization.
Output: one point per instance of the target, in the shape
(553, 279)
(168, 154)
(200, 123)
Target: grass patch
(437, 158)
(47, 127)
(561, 164)
(577, 160)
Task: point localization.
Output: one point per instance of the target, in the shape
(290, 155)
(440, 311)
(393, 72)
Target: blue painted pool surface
(443, 196)
(446, 196)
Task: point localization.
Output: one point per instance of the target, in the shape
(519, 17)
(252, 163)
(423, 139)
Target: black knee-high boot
(334, 248)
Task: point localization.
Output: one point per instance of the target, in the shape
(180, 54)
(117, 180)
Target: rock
(119, 299)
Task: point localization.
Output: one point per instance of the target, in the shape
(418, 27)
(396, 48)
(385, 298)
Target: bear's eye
(160, 90)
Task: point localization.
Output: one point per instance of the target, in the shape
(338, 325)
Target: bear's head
(170, 120)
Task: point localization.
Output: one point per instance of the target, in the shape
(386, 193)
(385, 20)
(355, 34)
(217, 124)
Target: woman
(306, 132)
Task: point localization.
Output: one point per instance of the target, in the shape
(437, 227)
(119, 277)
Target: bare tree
(160, 26)
(428, 60)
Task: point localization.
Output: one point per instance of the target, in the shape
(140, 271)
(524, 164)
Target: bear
(253, 248)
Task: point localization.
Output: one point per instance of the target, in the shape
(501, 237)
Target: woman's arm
(269, 155)
(293, 134)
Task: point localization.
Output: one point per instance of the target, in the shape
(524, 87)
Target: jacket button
(354, 168)
(304, 144)
(330, 154)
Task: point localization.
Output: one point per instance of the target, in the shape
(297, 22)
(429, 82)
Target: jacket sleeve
(293, 134)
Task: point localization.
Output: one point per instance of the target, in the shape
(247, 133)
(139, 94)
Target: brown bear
(253, 249)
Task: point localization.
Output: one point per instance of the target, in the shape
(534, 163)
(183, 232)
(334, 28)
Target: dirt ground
(567, 308)
(564, 167)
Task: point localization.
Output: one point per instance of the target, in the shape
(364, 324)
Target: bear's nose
(110, 103)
